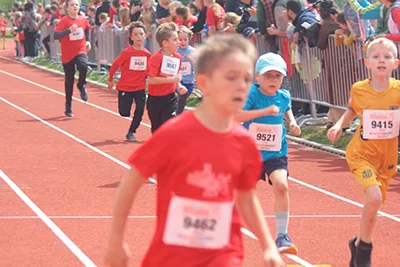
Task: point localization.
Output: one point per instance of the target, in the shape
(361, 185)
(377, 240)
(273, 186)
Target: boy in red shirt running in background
(198, 223)
(131, 86)
(163, 77)
(73, 33)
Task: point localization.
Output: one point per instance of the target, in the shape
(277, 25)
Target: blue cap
(271, 61)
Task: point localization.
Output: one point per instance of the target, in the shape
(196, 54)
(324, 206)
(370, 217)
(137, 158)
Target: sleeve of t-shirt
(289, 101)
(61, 26)
(117, 63)
(154, 66)
(353, 100)
(210, 17)
(153, 155)
(250, 101)
(251, 166)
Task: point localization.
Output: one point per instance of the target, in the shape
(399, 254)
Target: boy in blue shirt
(270, 135)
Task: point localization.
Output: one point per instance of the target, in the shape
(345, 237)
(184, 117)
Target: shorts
(367, 175)
(271, 165)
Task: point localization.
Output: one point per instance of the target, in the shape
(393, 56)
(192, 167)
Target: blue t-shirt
(258, 100)
(189, 50)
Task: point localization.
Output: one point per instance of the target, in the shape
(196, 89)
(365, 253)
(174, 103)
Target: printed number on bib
(198, 224)
(138, 63)
(268, 136)
(186, 68)
(170, 65)
(77, 35)
(381, 124)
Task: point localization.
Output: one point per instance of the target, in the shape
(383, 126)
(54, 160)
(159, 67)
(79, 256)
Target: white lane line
(153, 217)
(111, 158)
(53, 227)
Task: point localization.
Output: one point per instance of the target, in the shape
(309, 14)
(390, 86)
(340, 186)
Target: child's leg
(373, 201)
(182, 98)
(81, 64)
(69, 70)
(46, 42)
(140, 100)
(168, 107)
(153, 111)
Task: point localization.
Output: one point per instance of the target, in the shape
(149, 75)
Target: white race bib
(268, 136)
(186, 68)
(77, 35)
(170, 65)
(2, 28)
(138, 63)
(381, 124)
(198, 224)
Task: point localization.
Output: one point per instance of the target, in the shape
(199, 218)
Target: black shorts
(125, 101)
(272, 165)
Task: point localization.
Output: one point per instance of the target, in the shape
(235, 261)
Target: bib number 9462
(199, 224)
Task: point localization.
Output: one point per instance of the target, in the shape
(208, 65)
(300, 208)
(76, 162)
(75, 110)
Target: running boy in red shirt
(198, 223)
(163, 77)
(131, 86)
(73, 33)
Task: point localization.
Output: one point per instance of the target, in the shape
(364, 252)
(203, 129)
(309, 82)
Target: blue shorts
(271, 165)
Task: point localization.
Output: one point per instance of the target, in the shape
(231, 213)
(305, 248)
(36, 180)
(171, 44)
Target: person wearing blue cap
(269, 133)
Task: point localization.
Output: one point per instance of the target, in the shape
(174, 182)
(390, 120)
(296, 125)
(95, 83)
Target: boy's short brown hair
(164, 32)
(217, 47)
(136, 24)
(384, 41)
(184, 29)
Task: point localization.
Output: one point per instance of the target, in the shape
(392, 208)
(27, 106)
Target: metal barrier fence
(319, 77)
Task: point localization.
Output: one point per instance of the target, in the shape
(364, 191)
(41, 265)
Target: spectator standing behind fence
(187, 69)
(73, 33)
(163, 77)
(214, 17)
(28, 26)
(104, 8)
(394, 20)
(131, 86)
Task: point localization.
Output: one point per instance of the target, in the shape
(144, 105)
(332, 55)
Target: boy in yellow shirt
(372, 153)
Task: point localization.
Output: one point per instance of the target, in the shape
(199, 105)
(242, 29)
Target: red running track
(75, 185)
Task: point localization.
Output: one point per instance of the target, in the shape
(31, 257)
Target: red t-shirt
(3, 25)
(163, 66)
(133, 65)
(75, 43)
(206, 171)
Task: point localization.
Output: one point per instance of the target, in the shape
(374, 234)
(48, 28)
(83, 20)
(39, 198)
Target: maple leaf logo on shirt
(213, 184)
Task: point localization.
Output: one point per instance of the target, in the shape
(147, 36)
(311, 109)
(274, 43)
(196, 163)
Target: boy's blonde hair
(165, 31)
(384, 41)
(103, 16)
(231, 18)
(217, 47)
(184, 29)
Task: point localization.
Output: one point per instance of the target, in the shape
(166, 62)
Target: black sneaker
(68, 110)
(363, 255)
(353, 249)
(84, 94)
(130, 137)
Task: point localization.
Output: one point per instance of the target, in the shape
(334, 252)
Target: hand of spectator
(118, 24)
(272, 30)
(339, 32)
(73, 28)
(135, 9)
(253, 11)
(295, 129)
(379, 36)
(161, 21)
(296, 37)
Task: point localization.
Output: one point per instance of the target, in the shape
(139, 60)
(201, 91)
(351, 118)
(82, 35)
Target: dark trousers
(29, 44)
(125, 101)
(80, 61)
(161, 109)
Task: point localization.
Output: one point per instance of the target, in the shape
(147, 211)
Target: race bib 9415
(381, 124)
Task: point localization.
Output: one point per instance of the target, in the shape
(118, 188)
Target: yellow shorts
(367, 175)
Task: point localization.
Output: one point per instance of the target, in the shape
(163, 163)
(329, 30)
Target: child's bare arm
(334, 133)
(247, 115)
(127, 192)
(161, 80)
(252, 214)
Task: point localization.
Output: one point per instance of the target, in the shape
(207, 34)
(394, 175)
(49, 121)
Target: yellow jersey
(375, 141)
